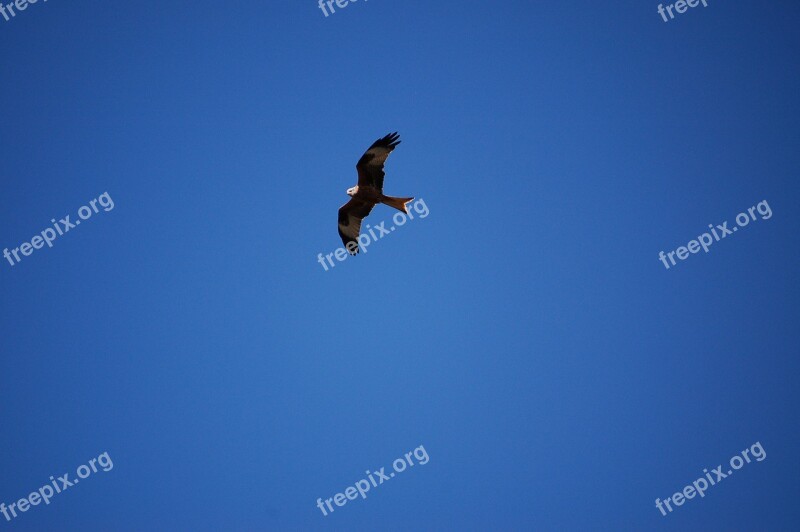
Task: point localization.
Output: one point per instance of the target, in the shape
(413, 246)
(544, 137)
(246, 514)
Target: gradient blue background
(525, 332)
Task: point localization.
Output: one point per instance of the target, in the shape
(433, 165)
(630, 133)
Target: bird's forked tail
(397, 203)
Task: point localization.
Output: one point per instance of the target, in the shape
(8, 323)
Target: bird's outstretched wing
(350, 216)
(370, 166)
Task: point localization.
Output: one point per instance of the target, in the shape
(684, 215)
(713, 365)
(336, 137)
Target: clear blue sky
(525, 332)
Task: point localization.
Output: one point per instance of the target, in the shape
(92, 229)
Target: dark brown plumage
(368, 192)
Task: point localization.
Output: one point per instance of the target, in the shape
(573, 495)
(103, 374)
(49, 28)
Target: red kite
(368, 192)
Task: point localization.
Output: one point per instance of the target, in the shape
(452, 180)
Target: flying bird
(368, 192)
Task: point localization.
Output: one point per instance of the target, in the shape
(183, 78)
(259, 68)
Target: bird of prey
(368, 192)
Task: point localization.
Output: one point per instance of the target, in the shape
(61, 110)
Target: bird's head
(352, 191)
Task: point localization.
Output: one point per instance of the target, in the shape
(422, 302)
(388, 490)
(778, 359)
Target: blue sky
(525, 332)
